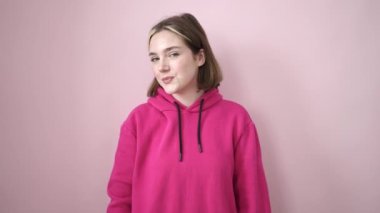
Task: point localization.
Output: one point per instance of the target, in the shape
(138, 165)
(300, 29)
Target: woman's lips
(167, 80)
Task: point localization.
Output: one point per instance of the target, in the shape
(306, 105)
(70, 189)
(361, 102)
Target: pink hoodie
(176, 159)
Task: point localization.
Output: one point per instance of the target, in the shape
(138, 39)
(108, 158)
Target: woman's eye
(154, 59)
(175, 54)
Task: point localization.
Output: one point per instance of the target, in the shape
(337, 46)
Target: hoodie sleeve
(120, 183)
(251, 192)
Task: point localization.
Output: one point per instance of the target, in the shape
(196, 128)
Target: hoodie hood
(166, 102)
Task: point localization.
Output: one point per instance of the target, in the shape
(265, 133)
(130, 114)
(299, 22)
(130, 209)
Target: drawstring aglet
(200, 148)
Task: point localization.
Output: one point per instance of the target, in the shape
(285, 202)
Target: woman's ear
(201, 57)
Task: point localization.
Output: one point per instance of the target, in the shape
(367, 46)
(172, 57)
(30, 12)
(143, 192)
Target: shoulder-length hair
(188, 28)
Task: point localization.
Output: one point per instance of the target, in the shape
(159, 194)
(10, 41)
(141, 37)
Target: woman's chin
(169, 90)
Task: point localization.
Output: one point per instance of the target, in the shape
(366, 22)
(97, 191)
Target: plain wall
(307, 71)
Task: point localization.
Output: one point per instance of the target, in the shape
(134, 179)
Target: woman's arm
(251, 192)
(120, 182)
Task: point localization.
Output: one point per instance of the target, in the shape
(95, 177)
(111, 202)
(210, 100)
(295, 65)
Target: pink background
(307, 71)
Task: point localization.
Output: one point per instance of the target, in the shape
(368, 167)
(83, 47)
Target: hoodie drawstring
(199, 127)
(180, 128)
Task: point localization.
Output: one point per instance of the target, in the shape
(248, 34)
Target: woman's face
(175, 66)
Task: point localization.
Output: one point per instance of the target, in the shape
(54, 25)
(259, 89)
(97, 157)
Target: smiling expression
(174, 65)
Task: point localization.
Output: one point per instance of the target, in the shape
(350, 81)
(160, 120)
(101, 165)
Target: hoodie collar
(166, 102)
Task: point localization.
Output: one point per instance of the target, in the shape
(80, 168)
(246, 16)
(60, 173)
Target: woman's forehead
(164, 40)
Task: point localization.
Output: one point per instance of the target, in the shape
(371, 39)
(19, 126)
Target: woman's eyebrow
(171, 48)
(165, 50)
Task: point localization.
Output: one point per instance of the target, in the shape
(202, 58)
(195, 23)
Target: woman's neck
(188, 98)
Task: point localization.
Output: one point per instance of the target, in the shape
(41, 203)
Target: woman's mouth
(167, 80)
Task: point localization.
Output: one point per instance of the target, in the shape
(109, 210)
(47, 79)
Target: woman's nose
(163, 66)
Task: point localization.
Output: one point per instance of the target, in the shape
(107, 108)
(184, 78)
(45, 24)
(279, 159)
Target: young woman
(187, 150)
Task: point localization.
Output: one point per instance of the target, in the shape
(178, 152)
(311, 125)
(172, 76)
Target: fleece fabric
(203, 158)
